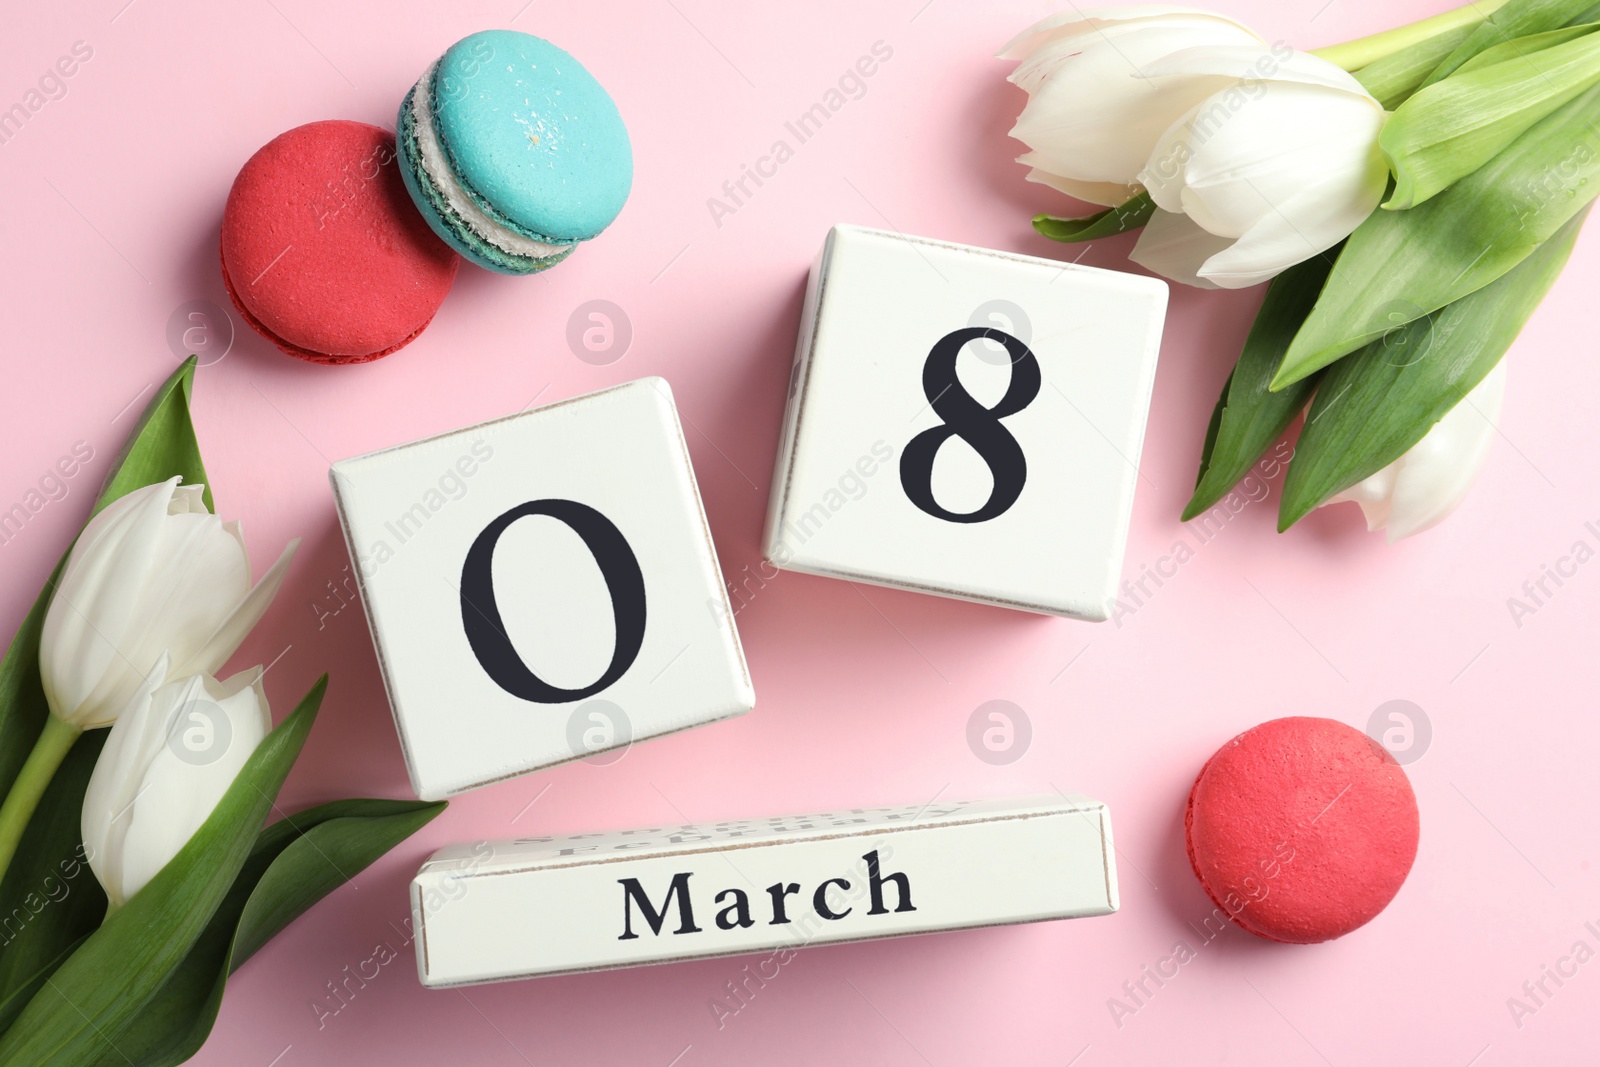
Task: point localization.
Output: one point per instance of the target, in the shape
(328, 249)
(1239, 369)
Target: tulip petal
(1078, 20)
(202, 576)
(95, 608)
(1287, 168)
(1291, 140)
(1373, 494)
(1165, 173)
(236, 626)
(1421, 488)
(183, 784)
(1247, 147)
(1091, 115)
(198, 575)
(188, 500)
(118, 776)
(1255, 63)
(1174, 247)
(1257, 142)
(1106, 194)
(153, 573)
(1305, 226)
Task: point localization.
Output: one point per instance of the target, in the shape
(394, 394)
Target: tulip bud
(170, 757)
(152, 573)
(1420, 489)
(1278, 164)
(1093, 114)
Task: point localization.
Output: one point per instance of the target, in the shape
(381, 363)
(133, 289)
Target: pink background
(111, 200)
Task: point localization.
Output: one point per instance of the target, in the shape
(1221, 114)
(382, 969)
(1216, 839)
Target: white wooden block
(541, 588)
(918, 452)
(488, 912)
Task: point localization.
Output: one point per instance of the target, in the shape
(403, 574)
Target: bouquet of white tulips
(135, 872)
(1412, 195)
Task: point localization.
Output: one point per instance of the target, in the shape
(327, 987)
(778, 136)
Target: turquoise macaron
(513, 152)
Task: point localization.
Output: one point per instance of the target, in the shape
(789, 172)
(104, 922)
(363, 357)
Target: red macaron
(323, 251)
(1301, 829)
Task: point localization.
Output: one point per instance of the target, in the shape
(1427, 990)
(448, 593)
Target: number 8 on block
(530, 577)
(965, 422)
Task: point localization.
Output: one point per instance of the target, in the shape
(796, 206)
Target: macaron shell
(295, 350)
(530, 133)
(324, 252)
(1301, 829)
(455, 232)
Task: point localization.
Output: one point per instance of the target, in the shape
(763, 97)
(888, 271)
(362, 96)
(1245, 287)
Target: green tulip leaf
(160, 446)
(296, 862)
(1453, 127)
(1518, 18)
(1108, 223)
(1373, 406)
(120, 968)
(322, 857)
(24, 989)
(1524, 47)
(50, 899)
(1392, 79)
(22, 704)
(1249, 417)
(1402, 265)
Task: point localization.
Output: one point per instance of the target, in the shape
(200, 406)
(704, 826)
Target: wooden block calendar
(541, 588)
(494, 911)
(965, 422)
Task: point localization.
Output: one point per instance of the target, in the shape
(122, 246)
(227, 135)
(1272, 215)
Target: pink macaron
(1301, 829)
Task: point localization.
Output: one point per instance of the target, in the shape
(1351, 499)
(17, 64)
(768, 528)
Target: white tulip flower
(1420, 489)
(1094, 111)
(167, 762)
(152, 573)
(1277, 166)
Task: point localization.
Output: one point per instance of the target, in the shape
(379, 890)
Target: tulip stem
(1353, 55)
(55, 741)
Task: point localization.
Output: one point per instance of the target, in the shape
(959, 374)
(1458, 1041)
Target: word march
(734, 903)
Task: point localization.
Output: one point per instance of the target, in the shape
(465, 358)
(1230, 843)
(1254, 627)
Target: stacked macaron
(339, 245)
(513, 152)
(322, 252)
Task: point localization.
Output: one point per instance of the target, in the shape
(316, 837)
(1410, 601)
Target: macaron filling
(460, 201)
